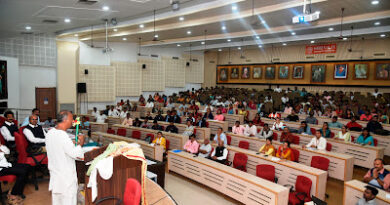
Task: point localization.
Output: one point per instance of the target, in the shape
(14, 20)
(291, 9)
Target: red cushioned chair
(195, 131)
(275, 136)
(136, 134)
(331, 134)
(2, 120)
(267, 172)
(121, 132)
(212, 149)
(2, 140)
(353, 139)
(35, 161)
(313, 131)
(375, 142)
(295, 139)
(86, 118)
(131, 196)
(239, 161)
(229, 139)
(296, 155)
(8, 179)
(111, 131)
(207, 124)
(302, 191)
(243, 144)
(167, 143)
(320, 163)
(328, 147)
(261, 124)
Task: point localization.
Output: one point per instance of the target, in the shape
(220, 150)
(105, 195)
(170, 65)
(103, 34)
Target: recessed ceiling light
(234, 8)
(293, 33)
(239, 48)
(383, 35)
(105, 8)
(181, 18)
(345, 38)
(141, 26)
(28, 27)
(219, 50)
(312, 41)
(260, 46)
(318, 12)
(285, 44)
(178, 45)
(115, 29)
(202, 43)
(331, 29)
(258, 37)
(188, 32)
(223, 27)
(229, 40)
(377, 23)
(76, 35)
(67, 20)
(156, 36)
(375, 2)
(124, 39)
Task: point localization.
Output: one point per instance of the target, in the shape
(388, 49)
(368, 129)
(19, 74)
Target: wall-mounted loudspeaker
(143, 66)
(188, 64)
(81, 87)
(86, 72)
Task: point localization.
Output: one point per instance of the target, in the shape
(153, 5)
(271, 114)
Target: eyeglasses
(34, 119)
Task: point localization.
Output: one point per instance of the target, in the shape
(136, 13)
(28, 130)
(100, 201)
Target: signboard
(320, 49)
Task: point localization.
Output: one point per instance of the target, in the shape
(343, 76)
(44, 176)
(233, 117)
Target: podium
(123, 169)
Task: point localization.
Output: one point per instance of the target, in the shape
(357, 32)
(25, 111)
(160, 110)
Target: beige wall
(67, 66)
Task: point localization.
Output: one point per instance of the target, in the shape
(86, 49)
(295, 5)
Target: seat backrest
(303, 184)
(313, 131)
(229, 139)
(328, 147)
(331, 134)
(2, 120)
(275, 136)
(21, 146)
(243, 144)
(295, 156)
(266, 171)
(151, 136)
(194, 131)
(121, 132)
(212, 149)
(111, 131)
(295, 139)
(167, 143)
(133, 190)
(375, 142)
(239, 161)
(320, 163)
(207, 124)
(136, 134)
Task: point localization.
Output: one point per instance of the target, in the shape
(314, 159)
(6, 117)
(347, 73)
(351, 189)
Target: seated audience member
(220, 136)
(274, 115)
(348, 114)
(101, 118)
(366, 116)
(278, 125)
(26, 120)
(191, 145)
(95, 112)
(171, 128)
(257, 119)
(365, 138)
(353, 125)
(288, 109)
(376, 93)
(137, 122)
(334, 123)
(201, 122)
(219, 116)
(230, 110)
(285, 152)
(49, 122)
(369, 195)
(150, 103)
(286, 136)
(325, 131)
(128, 121)
(84, 124)
(238, 129)
(156, 126)
(317, 142)
(106, 110)
(123, 113)
(176, 118)
(220, 153)
(265, 132)
(285, 100)
(8, 129)
(250, 130)
(113, 112)
(35, 136)
(160, 140)
(191, 117)
(376, 127)
(292, 117)
(14, 196)
(148, 116)
(378, 176)
(311, 119)
(344, 134)
(244, 113)
(268, 148)
(205, 148)
(304, 129)
(208, 106)
(118, 106)
(159, 117)
(277, 89)
(189, 129)
(145, 124)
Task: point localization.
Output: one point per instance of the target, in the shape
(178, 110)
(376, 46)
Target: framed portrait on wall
(270, 72)
(360, 71)
(382, 71)
(3, 80)
(223, 74)
(257, 72)
(234, 73)
(298, 71)
(245, 72)
(318, 73)
(340, 71)
(283, 71)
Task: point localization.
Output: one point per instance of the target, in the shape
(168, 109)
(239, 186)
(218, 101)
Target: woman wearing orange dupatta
(285, 152)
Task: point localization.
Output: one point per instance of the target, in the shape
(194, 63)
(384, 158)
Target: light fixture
(383, 35)
(189, 32)
(178, 45)
(377, 23)
(156, 36)
(229, 40)
(202, 43)
(263, 22)
(239, 48)
(258, 37)
(234, 8)
(115, 29)
(67, 20)
(375, 2)
(28, 27)
(219, 50)
(76, 35)
(223, 27)
(124, 39)
(312, 41)
(181, 18)
(284, 44)
(260, 46)
(141, 26)
(105, 8)
(318, 12)
(331, 29)
(345, 38)
(293, 33)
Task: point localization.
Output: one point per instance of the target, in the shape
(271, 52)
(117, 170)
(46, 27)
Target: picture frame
(245, 72)
(298, 72)
(257, 72)
(270, 72)
(234, 73)
(223, 74)
(382, 71)
(361, 71)
(283, 72)
(318, 73)
(340, 71)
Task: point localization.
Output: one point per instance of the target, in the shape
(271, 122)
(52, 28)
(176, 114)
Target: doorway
(46, 102)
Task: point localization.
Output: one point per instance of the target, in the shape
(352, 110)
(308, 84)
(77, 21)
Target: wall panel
(153, 76)
(100, 82)
(194, 72)
(175, 72)
(128, 78)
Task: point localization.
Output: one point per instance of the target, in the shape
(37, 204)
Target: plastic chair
(243, 144)
(267, 172)
(239, 161)
(229, 139)
(296, 155)
(136, 134)
(295, 139)
(302, 191)
(328, 147)
(121, 132)
(275, 136)
(131, 196)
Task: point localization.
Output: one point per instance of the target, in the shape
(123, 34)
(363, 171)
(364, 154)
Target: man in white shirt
(285, 99)
(95, 112)
(278, 125)
(277, 89)
(205, 149)
(8, 129)
(208, 106)
(317, 142)
(35, 135)
(220, 136)
(113, 112)
(26, 120)
(250, 130)
(376, 93)
(62, 153)
(101, 118)
(369, 195)
(123, 113)
(220, 153)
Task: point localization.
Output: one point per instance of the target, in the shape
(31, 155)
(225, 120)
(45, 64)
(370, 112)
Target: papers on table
(276, 159)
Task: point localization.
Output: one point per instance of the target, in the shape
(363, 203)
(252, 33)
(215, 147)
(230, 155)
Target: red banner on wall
(319, 49)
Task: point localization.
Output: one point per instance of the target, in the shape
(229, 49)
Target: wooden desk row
(340, 167)
(241, 186)
(353, 191)
(176, 141)
(154, 152)
(98, 127)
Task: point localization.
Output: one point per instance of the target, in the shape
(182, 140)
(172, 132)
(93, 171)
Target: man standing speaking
(62, 153)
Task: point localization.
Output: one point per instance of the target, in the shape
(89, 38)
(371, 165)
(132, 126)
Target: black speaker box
(86, 72)
(143, 66)
(81, 87)
(188, 64)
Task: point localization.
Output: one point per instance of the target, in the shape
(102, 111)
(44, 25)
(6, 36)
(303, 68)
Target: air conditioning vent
(332, 56)
(87, 2)
(211, 61)
(49, 21)
(175, 58)
(154, 55)
(26, 33)
(309, 57)
(379, 54)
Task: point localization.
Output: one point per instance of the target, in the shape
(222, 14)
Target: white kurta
(62, 153)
